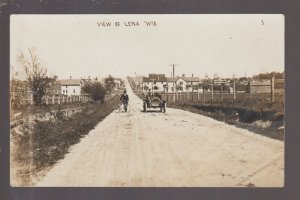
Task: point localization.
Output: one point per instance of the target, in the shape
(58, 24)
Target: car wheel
(144, 107)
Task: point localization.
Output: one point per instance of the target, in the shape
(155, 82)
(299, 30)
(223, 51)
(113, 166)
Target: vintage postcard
(147, 100)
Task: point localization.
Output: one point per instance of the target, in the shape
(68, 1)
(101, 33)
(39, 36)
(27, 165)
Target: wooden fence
(203, 95)
(53, 99)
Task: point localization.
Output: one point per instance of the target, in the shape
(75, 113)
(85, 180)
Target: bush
(95, 90)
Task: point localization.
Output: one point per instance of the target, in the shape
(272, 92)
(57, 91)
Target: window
(181, 82)
(66, 91)
(63, 91)
(74, 91)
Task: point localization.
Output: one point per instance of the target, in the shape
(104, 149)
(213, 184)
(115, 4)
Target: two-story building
(182, 84)
(70, 86)
(155, 82)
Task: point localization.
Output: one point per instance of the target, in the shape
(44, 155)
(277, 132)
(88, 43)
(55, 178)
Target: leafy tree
(36, 74)
(276, 75)
(95, 90)
(109, 83)
(17, 89)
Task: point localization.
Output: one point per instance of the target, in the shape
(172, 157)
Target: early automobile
(154, 102)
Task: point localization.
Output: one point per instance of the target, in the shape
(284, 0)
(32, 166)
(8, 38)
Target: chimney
(192, 75)
(70, 77)
(183, 75)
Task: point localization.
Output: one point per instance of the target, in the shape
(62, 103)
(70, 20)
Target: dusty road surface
(177, 148)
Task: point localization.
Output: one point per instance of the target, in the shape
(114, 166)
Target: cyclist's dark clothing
(124, 98)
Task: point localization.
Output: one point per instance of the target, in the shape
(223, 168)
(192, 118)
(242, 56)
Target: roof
(170, 79)
(155, 78)
(156, 75)
(70, 82)
(260, 82)
(186, 79)
(191, 79)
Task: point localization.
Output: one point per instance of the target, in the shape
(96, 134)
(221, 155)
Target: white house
(191, 83)
(182, 84)
(70, 86)
(155, 82)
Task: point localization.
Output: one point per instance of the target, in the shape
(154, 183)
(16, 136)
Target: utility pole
(174, 81)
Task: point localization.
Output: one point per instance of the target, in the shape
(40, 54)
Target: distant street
(176, 148)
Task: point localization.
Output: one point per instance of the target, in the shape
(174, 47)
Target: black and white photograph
(147, 100)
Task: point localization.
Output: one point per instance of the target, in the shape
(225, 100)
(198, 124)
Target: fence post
(198, 93)
(221, 92)
(212, 92)
(203, 93)
(234, 90)
(272, 89)
(67, 99)
(47, 99)
(250, 89)
(58, 100)
(31, 99)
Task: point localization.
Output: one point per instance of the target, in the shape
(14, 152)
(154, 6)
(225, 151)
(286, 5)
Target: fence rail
(51, 100)
(209, 96)
(268, 92)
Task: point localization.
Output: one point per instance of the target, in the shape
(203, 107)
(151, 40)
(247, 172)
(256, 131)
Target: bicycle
(121, 108)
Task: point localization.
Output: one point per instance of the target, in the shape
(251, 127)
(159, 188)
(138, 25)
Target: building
(182, 84)
(70, 86)
(191, 83)
(155, 82)
(259, 86)
(160, 83)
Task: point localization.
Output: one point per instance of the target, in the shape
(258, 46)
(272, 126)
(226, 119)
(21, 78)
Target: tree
(109, 83)
(17, 89)
(95, 90)
(36, 74)
(276, 75)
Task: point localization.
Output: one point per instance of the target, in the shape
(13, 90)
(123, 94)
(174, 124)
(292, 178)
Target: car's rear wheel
(144, 107)
(164, 107)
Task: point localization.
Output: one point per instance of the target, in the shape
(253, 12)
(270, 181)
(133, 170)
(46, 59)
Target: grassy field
(257, 115)
(45, 135)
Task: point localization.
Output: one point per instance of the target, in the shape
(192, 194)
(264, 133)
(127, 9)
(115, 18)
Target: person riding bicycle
(124, 99)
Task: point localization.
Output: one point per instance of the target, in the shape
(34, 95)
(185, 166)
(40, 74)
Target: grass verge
(47, 141)
(261, 117)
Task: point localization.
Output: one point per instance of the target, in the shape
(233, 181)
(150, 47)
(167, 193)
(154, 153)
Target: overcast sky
(75, 45)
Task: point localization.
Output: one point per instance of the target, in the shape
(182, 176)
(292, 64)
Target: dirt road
(177, 148)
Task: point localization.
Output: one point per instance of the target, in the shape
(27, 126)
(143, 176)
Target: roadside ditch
(261, 117)
(41, 137)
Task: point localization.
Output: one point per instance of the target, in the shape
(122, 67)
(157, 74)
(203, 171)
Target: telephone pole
(174, 81)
